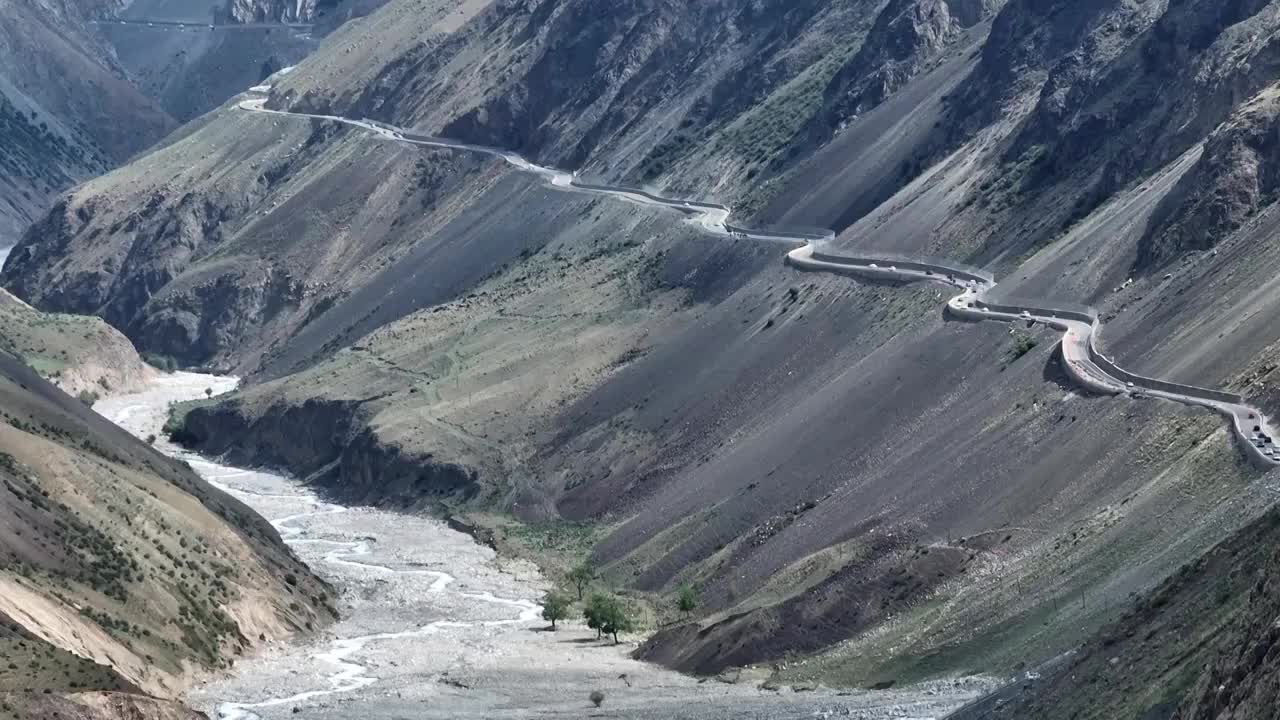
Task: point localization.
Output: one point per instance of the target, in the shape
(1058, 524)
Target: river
(435, 625)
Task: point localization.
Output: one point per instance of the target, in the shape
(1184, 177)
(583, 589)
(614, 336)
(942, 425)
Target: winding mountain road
(1084, 362)
(181, 25)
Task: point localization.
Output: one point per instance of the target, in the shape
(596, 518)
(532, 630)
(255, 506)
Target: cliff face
(335, 452)
(1237, 177)
(909, 35)
(1112, 92)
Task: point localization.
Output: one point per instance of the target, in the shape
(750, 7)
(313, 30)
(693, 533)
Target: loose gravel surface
(436, 626)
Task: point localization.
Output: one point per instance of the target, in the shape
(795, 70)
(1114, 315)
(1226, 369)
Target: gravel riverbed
(434, 625)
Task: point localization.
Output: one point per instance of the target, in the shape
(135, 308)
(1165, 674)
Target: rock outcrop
(1237, 176)
(277, 11)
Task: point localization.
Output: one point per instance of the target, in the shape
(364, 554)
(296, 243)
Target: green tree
(582, 577)
(555, 607)
(687, 601)
(591, 612)
(607, 616)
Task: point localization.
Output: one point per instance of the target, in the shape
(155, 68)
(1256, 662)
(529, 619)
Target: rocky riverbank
(436, 625)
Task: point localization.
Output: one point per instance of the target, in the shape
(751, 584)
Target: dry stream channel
(434, 625)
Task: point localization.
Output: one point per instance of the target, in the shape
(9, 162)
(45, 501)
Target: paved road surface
(1086, 365)
(190, 25)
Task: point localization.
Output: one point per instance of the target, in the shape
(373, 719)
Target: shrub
(687, 602)
(88, 397)
(597, 698)
(1022, 344)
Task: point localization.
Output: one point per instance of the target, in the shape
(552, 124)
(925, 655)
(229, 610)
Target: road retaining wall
(1153, 384)
(602, 187)
(1015, 307)
(957, 270)
(813, 236)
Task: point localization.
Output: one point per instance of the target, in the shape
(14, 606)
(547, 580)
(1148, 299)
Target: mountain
(78, 354)
(125, 574)
(62, 97)
(89, 84)
(844, 472)
(1197, 646)
(192, 68)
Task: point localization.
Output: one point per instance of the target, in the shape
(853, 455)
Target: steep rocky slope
(67, 108)
(1198, 646)
(104, 540)
(193, 70)
(78, 98)
(76, 353)
(839, 468)
(281, 11)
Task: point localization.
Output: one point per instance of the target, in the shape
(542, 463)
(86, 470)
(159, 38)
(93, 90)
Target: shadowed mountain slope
(63, 96)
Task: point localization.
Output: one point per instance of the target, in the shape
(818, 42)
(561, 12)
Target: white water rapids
(434, 625)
